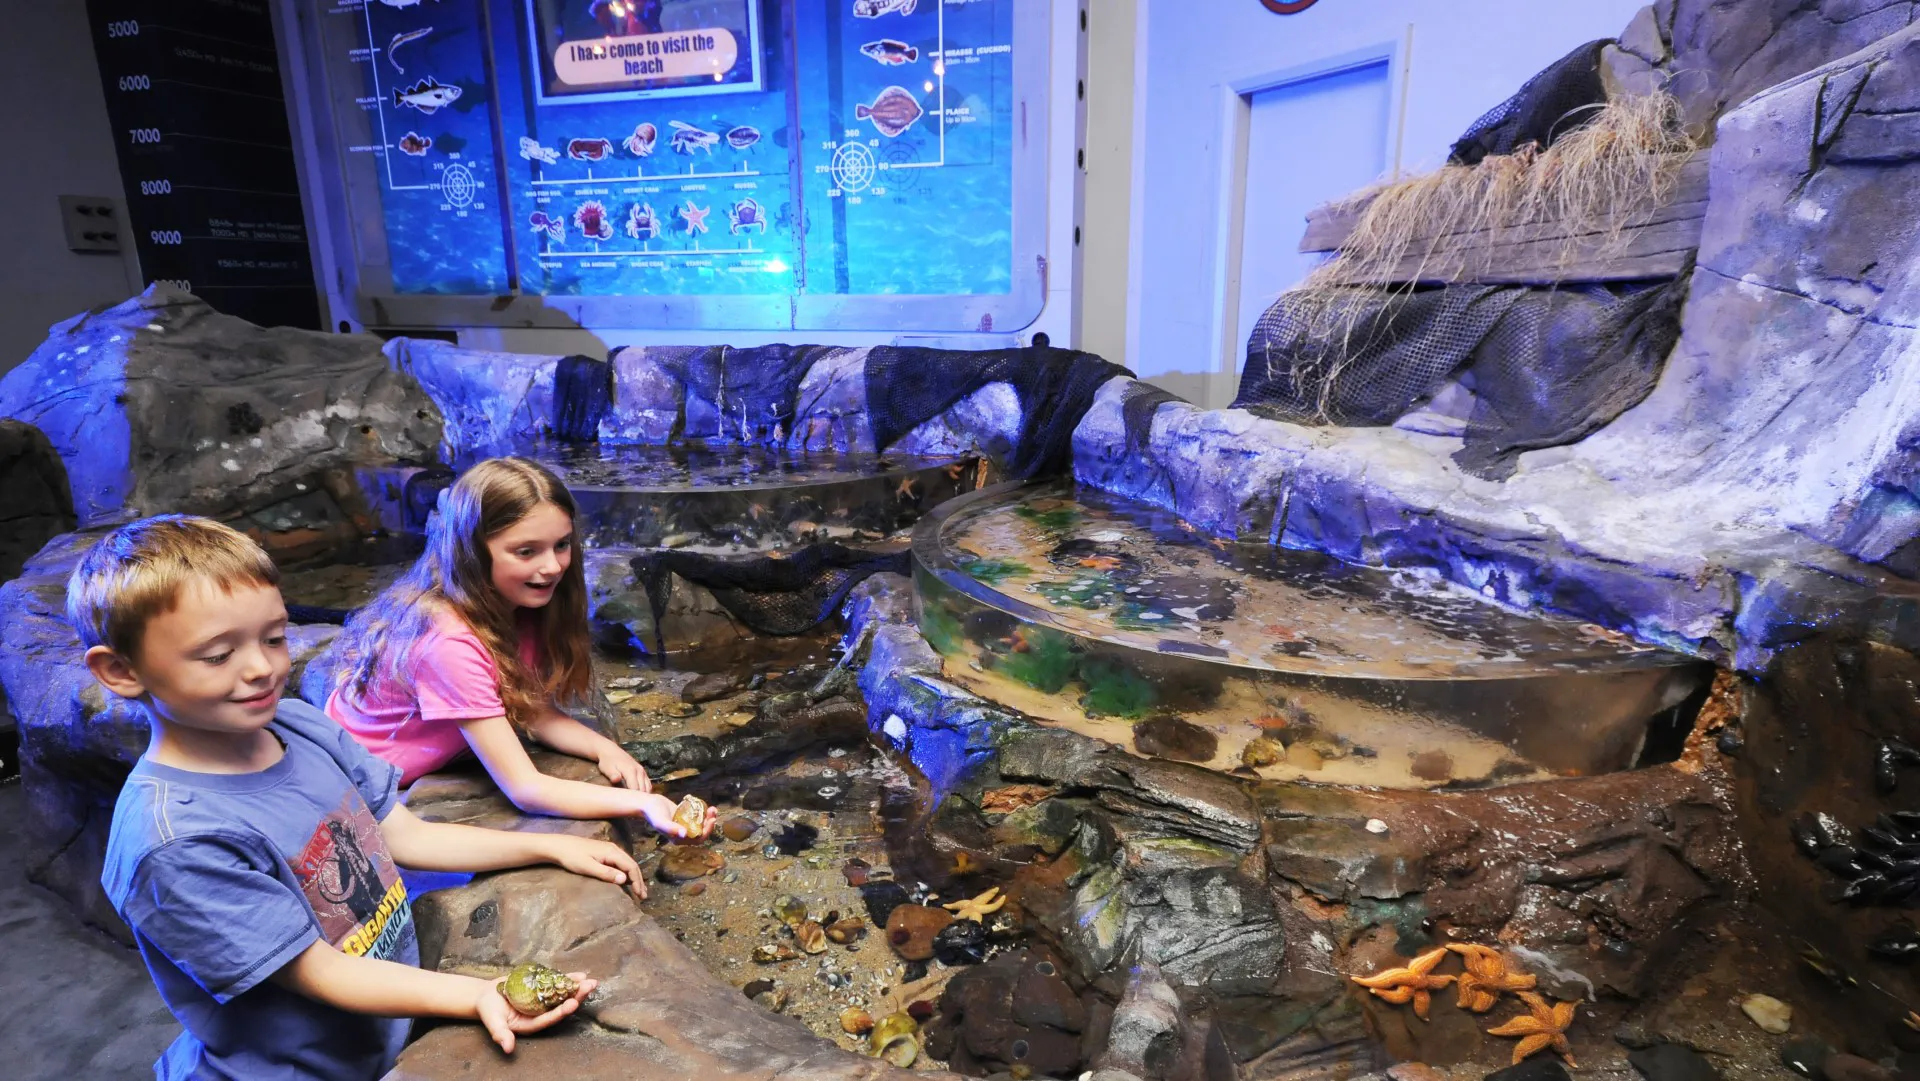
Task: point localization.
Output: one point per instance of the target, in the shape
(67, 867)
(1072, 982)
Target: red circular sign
(1287, 7)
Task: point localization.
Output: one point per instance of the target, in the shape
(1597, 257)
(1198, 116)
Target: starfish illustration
(977, 908)
(1415, 983)
(1543, 1026)
(696, 217)
(1486, 978)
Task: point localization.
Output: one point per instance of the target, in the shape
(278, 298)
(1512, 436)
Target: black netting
(1363, 356)
(1564, 363)
(1547, 106)
(582, 394)
(777, 595)
(906, 387)
(1547, 366)
(740, 395)
(1138, 404)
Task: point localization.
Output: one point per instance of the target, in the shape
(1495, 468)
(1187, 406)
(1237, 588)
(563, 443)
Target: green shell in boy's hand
(533, 988)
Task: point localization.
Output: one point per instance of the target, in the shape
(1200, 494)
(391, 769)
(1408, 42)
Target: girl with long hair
(481, 643)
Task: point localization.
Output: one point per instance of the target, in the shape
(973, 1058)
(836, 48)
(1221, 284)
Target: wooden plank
(1654, 243)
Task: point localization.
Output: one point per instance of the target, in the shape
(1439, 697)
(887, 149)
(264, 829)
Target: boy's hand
(503, 1022)
(603, 860)
(620, 768)
(659, 811)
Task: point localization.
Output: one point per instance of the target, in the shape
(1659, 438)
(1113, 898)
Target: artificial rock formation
(160, 404)
(35, 505)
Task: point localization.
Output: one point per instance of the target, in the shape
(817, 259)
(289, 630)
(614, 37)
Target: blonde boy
(256, 847)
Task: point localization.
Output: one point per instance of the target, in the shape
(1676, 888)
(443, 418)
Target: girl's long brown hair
(455, 575)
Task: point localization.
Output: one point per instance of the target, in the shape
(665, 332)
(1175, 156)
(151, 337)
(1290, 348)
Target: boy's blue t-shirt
(224, 878)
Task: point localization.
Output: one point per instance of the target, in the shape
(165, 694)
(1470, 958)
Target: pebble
(684, 863)
(1414, 1071)
(738, 828)
(1375, 825)
(1771, 1014)
(856, 1022)
(710, 686)
(911, 930)
(629, 683)
(1805, 1056)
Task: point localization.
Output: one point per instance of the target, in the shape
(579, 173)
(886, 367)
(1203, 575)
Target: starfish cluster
(1488, 975)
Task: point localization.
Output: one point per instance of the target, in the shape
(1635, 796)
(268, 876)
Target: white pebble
(1374, 825)
(1771, 1014)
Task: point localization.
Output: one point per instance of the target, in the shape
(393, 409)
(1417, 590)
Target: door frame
(1236, 122)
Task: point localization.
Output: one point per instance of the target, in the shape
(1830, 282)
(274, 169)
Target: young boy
(255, 846)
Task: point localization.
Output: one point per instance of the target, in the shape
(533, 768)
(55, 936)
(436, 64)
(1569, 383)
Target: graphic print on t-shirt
(351, 881)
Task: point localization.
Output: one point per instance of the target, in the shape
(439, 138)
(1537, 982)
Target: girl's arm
(568, 736)
(446, 846)
(500, 751)
(389, 989)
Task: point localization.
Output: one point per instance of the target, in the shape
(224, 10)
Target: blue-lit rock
(492, 403)
(830, 413)
(648, 402)
(35, 503)
(162, 404)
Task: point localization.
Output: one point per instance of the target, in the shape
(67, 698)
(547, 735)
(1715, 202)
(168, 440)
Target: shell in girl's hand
(533, 988)
(691, 816)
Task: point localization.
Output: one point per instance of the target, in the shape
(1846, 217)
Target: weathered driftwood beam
(1653, 243)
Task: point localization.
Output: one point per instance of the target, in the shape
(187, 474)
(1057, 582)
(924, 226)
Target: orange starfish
(909, 488)
(1414, 983)
(1543, 1026)
(1486, 978)
(1101, 563)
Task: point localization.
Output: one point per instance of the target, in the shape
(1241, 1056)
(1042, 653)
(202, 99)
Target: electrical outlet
(93, 223)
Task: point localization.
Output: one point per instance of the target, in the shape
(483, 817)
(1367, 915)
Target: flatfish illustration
(893, 112)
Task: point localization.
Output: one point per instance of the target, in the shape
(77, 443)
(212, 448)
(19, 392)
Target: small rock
(1671, 1062)
(693, 889)
(1375, 825)
(963, 942)
(911, 930)
(920, 1009)
(856, 872)
(629, 683)
(756, 988)
(737, 719)
(1805, 1056)
(1264, 751)
(1302, 757)
(684, 863)
(1432, 766)
(1414, 1071)
(1771, 1014)
(881, 898)
(1172, 737)
(1537, 1068)
(738, 828)
(769, 953)
(1841, 1066)
(711, 686)
(795, 838)
(855, 1021)
(847, 930)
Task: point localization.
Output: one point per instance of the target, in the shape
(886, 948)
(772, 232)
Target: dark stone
(796, 837)
(1537, 1068)
(756, 988)
(712, 686)
(1672, 1062)
(1015, 1011)
(1172, 737)
(912, 929)
(35, 504)
(738, 828)
(1805, 1056)
(141, 399)
(484, 921)
(1840, 1066)
(962, 942)
(881, 898)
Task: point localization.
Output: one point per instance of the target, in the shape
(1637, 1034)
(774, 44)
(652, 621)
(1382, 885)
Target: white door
(1308, 143)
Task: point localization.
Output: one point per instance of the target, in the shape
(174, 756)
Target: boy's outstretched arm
(389, 989)
(447, 846)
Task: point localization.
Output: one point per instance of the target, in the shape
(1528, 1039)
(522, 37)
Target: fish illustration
(404, 4)
(555, 228)
(427, 95)
(872, 9)
(743, 136)
(640, 143)
(415, 144)
(889, 51)
(893, 112)
(642, 224)
(590, 218)
(695, 217)
(531, 150)
(401, 39)
(744, 215)
(687, 138)
(588, 149)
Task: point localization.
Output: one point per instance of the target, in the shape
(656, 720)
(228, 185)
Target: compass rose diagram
(852, 168)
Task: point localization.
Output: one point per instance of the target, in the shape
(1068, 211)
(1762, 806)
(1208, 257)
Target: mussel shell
(1902, 944)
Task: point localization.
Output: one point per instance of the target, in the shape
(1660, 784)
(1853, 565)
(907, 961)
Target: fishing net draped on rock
(774, 594)
(1554, 102)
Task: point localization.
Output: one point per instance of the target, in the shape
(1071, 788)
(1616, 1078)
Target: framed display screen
(669, 163)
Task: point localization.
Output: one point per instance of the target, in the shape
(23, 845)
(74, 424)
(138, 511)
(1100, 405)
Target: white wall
(1457, 59)
(54, 126)
(1111, 53)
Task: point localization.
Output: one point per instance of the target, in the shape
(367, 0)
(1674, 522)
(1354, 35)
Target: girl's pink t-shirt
(414, 721)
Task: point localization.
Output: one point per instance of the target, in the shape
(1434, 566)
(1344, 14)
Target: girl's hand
(603, 860)
(619, 767)
(503, 1022)
(659, 811)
